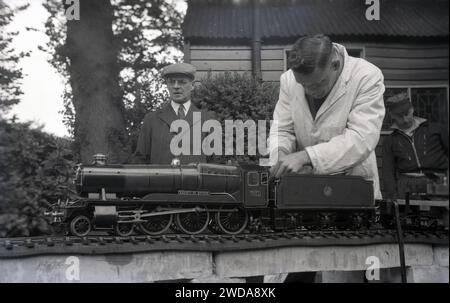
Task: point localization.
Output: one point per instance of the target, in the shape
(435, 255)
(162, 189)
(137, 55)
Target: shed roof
(289, 19)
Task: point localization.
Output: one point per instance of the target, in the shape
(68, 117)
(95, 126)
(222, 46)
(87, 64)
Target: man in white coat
(329, 113)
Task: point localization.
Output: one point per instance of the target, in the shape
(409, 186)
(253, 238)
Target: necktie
(181, 114)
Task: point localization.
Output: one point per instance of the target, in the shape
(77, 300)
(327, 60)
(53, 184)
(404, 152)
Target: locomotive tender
(152, 199)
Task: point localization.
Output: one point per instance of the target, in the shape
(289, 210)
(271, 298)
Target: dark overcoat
(153, 146)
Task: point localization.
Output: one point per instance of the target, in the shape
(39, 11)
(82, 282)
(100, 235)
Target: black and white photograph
(224, 150)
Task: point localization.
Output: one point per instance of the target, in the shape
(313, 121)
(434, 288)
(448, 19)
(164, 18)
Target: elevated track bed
(100, 245)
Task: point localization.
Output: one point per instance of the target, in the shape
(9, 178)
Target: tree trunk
(94, 77)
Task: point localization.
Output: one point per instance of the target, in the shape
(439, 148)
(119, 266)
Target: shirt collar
(186, 105)
(346, 70)
(416, 123)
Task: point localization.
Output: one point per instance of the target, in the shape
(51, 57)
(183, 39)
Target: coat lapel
(301, 107)
(190, 114)
(167, 115)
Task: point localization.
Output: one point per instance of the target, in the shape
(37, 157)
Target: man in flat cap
(154, 142)
(415, 154)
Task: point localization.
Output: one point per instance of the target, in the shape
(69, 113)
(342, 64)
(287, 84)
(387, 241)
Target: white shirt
(176, 106)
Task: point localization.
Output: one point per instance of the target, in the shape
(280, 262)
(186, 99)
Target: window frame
(361, 48)
(408, 87)
(255, 175)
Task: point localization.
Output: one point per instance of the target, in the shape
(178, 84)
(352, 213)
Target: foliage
(10, 74)
(233, 96)
(146, 33)
(35, 169)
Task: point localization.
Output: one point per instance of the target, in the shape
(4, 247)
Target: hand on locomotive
(291, 163)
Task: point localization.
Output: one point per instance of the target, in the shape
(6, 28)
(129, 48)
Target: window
(429, 103)
(253, 178)
(357, 52)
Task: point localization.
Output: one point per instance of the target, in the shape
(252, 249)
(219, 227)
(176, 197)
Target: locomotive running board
(184, 210)
(172, 212)
(212, 197)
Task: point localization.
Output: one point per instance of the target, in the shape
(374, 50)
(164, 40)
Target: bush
(237, 97)
(35, 170)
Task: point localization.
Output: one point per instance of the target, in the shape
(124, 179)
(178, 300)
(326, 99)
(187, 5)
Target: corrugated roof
(281, 19)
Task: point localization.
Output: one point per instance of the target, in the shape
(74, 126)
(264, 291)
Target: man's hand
(291, 163)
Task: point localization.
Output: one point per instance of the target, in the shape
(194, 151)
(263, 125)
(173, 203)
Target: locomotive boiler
(141, 180)
(201, 198)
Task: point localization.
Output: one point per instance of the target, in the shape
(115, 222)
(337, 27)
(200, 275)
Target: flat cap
(398, 103)
(179, 69)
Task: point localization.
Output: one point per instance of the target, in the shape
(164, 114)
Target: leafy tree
(90, 60)
(150, 33)
(10, 74)
(144, 35)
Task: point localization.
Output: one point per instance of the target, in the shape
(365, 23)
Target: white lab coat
(343, 136)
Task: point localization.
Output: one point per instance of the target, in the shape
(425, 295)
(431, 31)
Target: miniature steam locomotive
(192, 199)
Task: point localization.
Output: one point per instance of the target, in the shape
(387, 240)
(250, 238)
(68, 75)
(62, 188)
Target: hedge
(36, 169)
(234, 96)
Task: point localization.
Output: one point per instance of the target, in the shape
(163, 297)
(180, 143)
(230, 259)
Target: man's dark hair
(310, 52)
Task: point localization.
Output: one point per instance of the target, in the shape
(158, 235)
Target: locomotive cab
(255, 186)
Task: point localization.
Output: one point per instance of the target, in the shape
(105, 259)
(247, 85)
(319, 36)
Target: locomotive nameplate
(193, 193)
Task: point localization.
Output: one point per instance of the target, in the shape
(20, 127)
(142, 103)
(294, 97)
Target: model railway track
(94, 245)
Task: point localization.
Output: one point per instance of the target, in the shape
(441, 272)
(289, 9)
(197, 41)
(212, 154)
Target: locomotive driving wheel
(232, 220)
(193, 223)
(156, 225)
(80, 226)
(124, 229)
